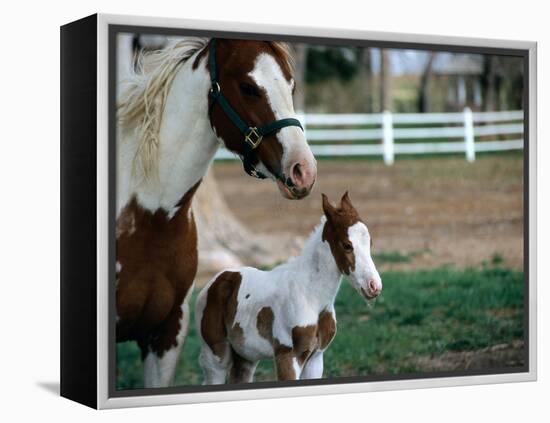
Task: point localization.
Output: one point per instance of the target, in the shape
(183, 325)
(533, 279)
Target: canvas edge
(533, 169)
(77, 306)
(103, 399)
(102, 212)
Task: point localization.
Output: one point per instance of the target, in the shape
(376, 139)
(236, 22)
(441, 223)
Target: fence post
(469, 140)
(387, 141)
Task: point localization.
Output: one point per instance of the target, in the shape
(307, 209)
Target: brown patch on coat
(219, 311)
(335, 231)
(264, 323)
(304, 342)
(236, 335)
(284, 363)
(283, 355)
(234, 69)
(158, 258)
(308, 339)
(326, 329)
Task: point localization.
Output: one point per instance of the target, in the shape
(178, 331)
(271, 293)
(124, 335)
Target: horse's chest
(156, 263)
(157, 242)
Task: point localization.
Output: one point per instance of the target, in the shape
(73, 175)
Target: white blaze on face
(365, 270)
(267, 74)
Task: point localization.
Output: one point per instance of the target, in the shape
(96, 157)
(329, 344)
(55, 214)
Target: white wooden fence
(388, 134)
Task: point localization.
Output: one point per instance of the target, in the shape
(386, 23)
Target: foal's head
(350, 244)
(256, 78)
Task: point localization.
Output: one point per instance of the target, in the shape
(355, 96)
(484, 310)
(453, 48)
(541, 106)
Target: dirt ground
(496, 356)
(427, 212)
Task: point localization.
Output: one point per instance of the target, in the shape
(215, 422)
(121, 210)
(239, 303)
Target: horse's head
(350, 244)
(255, 78)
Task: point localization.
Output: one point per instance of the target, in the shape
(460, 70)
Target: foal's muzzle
(371, 289)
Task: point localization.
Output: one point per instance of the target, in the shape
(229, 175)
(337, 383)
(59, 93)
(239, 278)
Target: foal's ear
(345, 202)
(328, 208)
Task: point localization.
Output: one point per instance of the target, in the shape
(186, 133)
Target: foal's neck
(323, 276)
(187, 145)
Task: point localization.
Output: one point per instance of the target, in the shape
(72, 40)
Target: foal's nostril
(373, 286)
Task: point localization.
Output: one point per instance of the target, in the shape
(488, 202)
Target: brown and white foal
(287, 313)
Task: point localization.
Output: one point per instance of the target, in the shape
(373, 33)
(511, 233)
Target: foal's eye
(249, 89)
(347, 246)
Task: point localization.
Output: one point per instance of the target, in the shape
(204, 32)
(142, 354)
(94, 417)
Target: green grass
(391, 257)
(419, 313)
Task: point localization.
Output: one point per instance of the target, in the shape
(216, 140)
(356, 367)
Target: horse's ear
(345, 202)
(328, 208)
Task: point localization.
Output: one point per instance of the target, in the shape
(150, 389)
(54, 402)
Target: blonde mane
(141, 103)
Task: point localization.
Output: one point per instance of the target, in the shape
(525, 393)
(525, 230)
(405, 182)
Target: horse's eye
(249, 90)
(347, 246)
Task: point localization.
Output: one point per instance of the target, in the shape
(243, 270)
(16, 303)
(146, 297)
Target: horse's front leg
(287, 364)
(313, 368)
(162, 353)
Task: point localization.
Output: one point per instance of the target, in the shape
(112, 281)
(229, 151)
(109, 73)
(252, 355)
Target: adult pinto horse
(172, 116)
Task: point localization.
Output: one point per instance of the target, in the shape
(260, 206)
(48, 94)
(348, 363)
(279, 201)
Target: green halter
(252, 135)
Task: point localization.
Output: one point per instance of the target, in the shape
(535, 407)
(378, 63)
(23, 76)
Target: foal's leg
(313, 368)
(162, 356)
(215, 367)
(286, 364)
(242, 370)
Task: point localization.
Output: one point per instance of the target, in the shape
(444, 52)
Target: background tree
(367, 75)
(489, 82)
(423, 86)
(300, 66)
(385, 80)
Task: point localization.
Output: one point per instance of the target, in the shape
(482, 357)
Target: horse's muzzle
(291, 192)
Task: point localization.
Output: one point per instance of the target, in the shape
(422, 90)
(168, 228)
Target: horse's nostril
(302, 176)
(297, 171)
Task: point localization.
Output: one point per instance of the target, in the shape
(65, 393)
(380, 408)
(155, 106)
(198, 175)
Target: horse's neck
(322, 278)
(187, 146)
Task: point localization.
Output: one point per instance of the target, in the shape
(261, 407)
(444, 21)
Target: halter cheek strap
(253, 135)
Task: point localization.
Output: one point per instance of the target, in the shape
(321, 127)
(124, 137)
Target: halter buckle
(215, 89)
(252, 137)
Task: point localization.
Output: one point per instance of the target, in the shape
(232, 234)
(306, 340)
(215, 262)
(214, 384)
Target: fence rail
(388, 134)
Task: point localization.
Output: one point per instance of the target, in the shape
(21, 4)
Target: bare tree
(385, 80)
(489, 82)
(300, 60)
(423, 87)
(366, 74)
